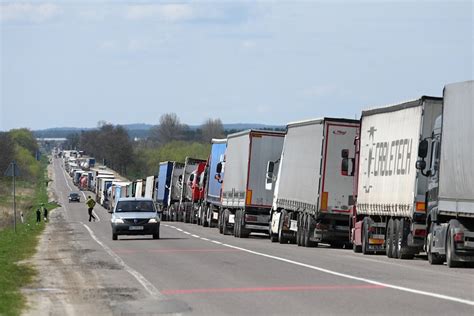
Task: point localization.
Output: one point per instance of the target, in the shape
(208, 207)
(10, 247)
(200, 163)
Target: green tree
(24, 138)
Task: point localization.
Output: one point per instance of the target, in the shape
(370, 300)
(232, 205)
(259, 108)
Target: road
(195, 270)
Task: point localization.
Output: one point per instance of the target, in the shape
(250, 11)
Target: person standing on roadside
(90, 205)
(38, 215)
(45, 213)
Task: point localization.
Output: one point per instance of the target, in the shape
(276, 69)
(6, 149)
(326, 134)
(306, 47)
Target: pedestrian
(90, 205)
(38, 215)
(45, 213)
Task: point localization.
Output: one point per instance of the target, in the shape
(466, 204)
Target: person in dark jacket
(38, 215)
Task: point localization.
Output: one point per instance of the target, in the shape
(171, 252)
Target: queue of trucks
(398, 181)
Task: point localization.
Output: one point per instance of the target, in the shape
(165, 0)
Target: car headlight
(118, 221)
(152, 221)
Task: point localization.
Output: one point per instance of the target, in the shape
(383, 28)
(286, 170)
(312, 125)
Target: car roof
(134, 199)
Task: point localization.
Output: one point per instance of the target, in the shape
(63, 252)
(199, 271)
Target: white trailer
(246, 205)
(390, 213)
(313, 193)
(450, 175)
(149, 187)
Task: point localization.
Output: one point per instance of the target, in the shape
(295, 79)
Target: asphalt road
(195, 270)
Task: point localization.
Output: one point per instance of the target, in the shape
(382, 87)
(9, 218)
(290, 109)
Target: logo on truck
(388, 157)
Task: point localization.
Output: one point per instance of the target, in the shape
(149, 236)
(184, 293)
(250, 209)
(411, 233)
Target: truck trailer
(390, 211)
(209, 208)
(449, 197)
(313, 195)
(245, 205)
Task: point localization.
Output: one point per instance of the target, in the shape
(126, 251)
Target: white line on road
(150, 288)
(347, 276)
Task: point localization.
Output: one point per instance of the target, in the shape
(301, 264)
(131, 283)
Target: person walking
(90, 205)
(38, 215)
(45, 213)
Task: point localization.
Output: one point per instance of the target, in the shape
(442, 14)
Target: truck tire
(219, 222)
(225, 223)
(356, 248)
(365, 241)
(114, 236)
(281, 236)
(395, 238)
(450, 249)
(403, 250)
(237, 224)
(389, 238)
(300, 230)
(309, 230)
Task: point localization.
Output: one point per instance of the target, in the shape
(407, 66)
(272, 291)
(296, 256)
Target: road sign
(12, 170)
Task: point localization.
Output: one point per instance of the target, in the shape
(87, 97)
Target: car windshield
(135, 206)
(73, 194)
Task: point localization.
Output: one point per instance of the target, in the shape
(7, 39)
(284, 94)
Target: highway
(194, 270)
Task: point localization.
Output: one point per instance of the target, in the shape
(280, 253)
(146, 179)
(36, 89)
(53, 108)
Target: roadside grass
(19, 246)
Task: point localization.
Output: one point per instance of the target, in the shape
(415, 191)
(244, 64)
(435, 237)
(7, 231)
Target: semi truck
(245, 204)
(209, 208)
(196, 184)
(445, 162)
(390, 211)
(168, 188)
(185, 209)
(312, 195)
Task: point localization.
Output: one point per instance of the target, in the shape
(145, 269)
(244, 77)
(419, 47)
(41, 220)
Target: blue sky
(74, 63)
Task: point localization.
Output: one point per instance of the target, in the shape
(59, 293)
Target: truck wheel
(236, 224)
(309, 230)
(114, 236)
(299, 233)
(356, 248)
(449, 251)
(365, 234)
(401, 244)
(219, 222)
(395, 238)
(433, 258)
(281, 236)
(225, 223)
(273, 236)
(389, 239)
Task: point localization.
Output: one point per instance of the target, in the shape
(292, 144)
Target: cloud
(168, 12)
(26, 12)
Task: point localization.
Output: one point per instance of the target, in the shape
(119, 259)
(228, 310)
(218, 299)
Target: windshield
(73, 194)
(135, 206)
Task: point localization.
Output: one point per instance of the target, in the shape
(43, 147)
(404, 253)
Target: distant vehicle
(74, 197)
(135, 216)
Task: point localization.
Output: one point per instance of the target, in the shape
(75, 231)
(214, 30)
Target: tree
(169, 129)
(72, 141)
(212, 128)
(24, 138)
(7, 150)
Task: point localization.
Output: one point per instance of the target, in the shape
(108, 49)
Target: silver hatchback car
(135, 216)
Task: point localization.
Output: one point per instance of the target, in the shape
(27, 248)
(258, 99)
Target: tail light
(458, 237)
(420, 233)
(420, 207)
(250, 218)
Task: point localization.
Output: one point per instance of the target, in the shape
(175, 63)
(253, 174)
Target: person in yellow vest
(90, 205)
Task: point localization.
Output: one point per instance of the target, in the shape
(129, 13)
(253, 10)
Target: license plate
(215, 215)
(293, 225)
(135, 228)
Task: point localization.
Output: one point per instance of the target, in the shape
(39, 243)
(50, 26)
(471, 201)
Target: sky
(75, 63)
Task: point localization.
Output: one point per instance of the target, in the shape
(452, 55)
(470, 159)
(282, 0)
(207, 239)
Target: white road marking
(205, 239)
(347, 276)
(195, 236)
(150, 288)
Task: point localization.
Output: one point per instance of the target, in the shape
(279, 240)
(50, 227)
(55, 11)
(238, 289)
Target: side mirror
(219, 167)
(423, 149)
(345, 153)
(269, 175)
(420, 165)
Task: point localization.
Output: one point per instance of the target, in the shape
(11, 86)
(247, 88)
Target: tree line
(19, 145)
(168, 140)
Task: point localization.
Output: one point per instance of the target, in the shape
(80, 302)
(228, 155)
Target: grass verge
(15, 247)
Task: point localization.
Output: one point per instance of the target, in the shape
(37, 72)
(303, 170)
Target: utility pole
(13, 171)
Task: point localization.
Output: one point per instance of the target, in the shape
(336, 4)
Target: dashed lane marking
(343, 275)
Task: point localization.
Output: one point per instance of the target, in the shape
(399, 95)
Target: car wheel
(114, 236)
